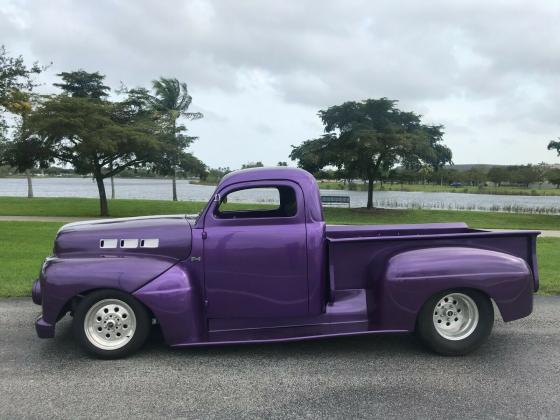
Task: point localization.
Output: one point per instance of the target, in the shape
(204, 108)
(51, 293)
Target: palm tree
(172, 101)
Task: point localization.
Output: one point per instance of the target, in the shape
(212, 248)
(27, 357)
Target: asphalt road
(516, 374)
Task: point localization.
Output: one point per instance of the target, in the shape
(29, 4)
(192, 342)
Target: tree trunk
(103, 208)
(29, 184)
(174, 181)
(370, 193)
(112, 188)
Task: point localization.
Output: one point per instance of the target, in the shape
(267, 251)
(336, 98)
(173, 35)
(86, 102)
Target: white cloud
(260, 70)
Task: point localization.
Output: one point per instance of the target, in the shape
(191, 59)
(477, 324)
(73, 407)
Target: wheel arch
(412, 277)
(72, 302)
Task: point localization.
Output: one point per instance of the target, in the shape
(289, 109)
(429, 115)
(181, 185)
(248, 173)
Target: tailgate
(533, 261)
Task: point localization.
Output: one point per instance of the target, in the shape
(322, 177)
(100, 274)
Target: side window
(258, 202)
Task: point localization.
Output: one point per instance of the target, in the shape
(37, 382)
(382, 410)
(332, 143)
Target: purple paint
(285, 276)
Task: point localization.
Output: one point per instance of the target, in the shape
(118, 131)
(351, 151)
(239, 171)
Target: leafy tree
(282, 164)
(190, 165)
(171, 102)
(553, 176)
(81, 84)
(94, 135)
(22, 153)
(435, 154)
(498, 175)
(248, 165)
(526, 174)
(367, 139)
(554, 145)
(475, 176)
(313, 155)
(15, 75)
(447, 175)
(426, 171)
(215, 174)
(16, 86)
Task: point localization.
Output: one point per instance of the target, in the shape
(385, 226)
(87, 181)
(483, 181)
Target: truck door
(255, 255)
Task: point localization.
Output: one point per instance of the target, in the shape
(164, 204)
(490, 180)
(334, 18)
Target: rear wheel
(111, 324)
(456, 322)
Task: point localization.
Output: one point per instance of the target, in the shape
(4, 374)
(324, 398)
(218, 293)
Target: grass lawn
(24, 245)
(89, 207)
(23, 248)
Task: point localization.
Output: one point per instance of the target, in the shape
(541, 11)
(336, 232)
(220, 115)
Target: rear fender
(412, 277)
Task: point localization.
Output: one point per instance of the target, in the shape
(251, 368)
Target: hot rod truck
(274, 272)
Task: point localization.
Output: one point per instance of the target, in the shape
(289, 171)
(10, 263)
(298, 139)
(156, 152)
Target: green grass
(23, 247)
(88, 207)
(26, 244)
(548, 252)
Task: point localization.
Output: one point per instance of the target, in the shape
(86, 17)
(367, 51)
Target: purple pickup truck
(276, 272)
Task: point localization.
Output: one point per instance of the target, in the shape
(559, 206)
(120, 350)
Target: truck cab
(264, 260)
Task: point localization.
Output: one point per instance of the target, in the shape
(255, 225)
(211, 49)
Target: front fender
(176, 300)
(64, 278)
(412, 277)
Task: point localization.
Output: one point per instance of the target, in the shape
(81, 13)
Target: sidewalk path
(62, 219)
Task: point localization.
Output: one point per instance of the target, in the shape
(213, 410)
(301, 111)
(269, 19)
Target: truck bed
(370, 247)
(395, 268)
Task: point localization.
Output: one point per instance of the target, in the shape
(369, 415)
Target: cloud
(487, 70)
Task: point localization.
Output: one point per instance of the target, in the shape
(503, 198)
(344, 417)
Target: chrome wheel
(109, 324)
(455, 316)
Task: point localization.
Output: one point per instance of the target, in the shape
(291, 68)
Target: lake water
(161, 189)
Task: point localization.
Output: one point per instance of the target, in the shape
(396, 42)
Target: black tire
(429, 334)
(140, 334)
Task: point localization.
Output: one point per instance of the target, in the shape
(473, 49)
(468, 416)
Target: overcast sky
(260, 70)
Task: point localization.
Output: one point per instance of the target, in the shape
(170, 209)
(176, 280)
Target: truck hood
(164, 236)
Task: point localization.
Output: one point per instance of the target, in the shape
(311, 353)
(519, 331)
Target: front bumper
(43, 328)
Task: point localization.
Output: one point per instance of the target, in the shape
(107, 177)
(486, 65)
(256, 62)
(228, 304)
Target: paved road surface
(516, 374)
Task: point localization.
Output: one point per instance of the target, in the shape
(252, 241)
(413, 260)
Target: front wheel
(456, 322)
(110, 324)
